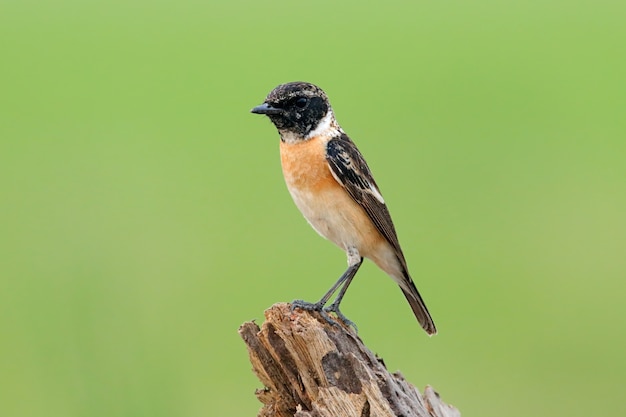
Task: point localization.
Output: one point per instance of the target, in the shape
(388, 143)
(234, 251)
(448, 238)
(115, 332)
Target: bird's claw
(318, 307)
(333, 308)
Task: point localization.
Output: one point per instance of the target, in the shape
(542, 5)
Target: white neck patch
(326, 127)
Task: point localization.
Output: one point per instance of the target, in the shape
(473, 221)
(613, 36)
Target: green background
(144, 215)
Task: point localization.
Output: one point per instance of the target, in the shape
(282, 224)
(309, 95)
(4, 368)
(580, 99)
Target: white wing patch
(376, 193)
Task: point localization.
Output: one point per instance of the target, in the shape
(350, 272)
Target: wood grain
(311, 368)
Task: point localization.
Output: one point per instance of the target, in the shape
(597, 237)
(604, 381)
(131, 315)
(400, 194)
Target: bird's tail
(417, 305)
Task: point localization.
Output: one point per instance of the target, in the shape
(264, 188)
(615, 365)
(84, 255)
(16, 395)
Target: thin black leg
(334, 307)
(345, 279)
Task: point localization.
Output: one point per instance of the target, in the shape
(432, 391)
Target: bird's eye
(301, 102)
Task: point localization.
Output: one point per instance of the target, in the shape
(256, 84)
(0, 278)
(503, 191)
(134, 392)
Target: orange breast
(304, 165)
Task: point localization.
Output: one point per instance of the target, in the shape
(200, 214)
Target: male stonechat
(334, 189)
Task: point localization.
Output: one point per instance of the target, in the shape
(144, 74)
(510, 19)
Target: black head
(295, 108)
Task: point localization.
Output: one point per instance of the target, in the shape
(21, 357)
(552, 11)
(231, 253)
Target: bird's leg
(319, 306)
(354, 262)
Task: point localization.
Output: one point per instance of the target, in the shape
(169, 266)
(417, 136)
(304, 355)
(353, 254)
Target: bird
(333, 187)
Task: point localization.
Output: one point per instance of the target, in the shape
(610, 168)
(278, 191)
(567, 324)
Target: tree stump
(311, 368)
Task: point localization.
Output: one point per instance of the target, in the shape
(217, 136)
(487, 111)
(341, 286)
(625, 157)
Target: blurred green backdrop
(144, 216)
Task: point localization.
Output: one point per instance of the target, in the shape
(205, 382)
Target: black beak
(266, 109)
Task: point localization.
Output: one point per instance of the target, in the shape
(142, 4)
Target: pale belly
(335, 216)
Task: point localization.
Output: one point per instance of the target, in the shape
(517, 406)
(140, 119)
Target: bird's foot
(318, 307)
(334, 308)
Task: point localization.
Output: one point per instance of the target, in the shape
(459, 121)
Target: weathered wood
(313, 369)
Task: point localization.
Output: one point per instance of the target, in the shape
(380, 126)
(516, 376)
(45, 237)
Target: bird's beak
(266, 109)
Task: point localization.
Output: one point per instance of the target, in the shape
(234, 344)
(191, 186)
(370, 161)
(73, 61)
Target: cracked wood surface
(312, 369)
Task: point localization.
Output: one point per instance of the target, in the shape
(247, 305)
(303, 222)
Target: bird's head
(298, 110)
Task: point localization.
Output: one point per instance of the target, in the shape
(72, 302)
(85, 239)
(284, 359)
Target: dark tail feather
(419, 308)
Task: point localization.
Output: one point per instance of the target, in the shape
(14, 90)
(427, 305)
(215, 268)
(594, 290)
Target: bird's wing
(351, 171)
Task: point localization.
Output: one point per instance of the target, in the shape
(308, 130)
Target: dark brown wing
(350, 169)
